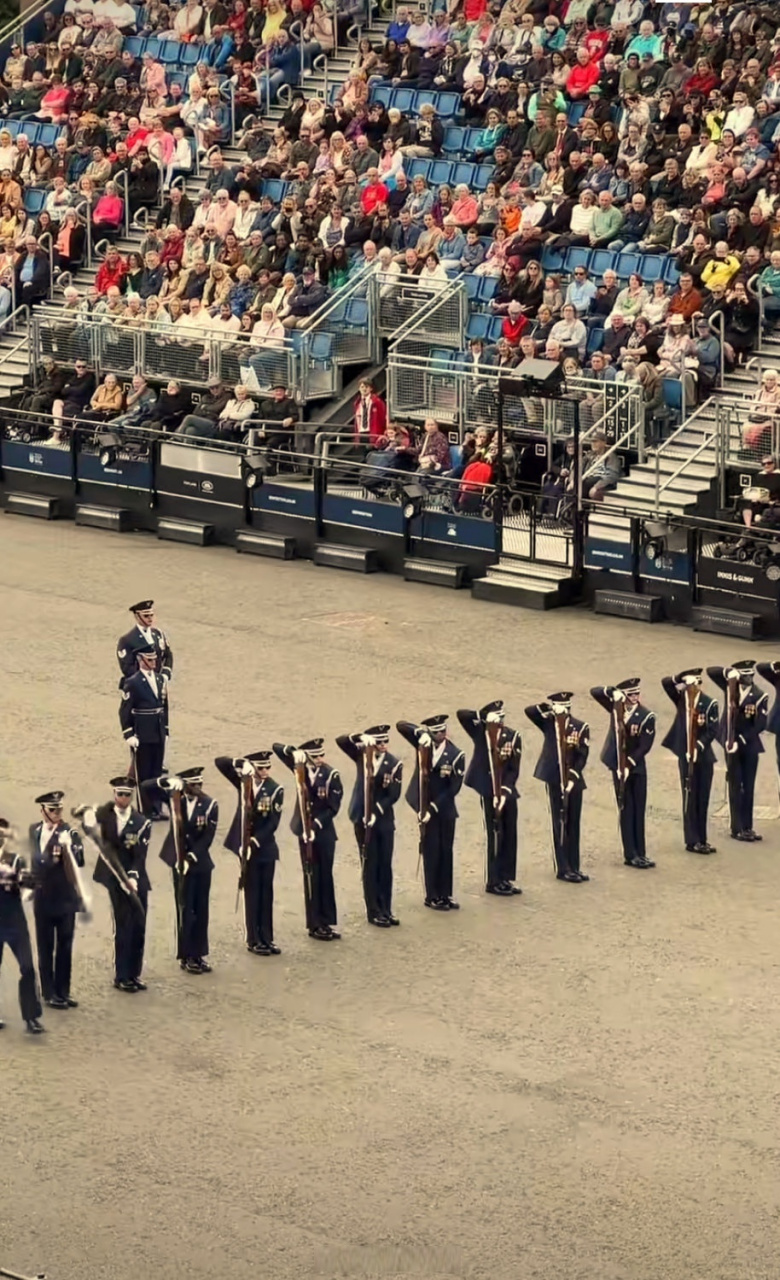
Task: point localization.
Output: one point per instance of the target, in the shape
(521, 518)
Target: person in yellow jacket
(722, 267)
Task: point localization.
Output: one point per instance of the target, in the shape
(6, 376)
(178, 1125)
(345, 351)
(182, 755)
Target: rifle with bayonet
(619, 721)
(424, 762)
(560, 718)
(307, 826)
(368, 799)
(108, 854)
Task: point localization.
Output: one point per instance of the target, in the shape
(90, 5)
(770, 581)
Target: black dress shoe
(439, 904)
(641, 863)
(583, 879)
(138, 984)
(204, 966)
(570, 877)
(452, 905)
(129, 987)
(191, 966)
(753, 834)
(72, 1004)
(273, 949)
(259, 949)
(430, 902)
(703, 848)
(320, 935)
(393, 920)
(34, 1027)
(501, 890)
(513, 888)
(690, 848)
(379, 921)
(333, 933)
(648, 862)
(2, 1025)
(710, 848)
(56, 1002)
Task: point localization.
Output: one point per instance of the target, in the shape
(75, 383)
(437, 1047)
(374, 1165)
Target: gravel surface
(577, 1083)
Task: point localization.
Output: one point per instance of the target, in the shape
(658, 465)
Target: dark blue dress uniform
(448, 765)
(565, 807)
(263, 854)
(375, 844)
(14, 932)
(750, 721)
(127, 832)
(500, 818)
(200, 815)
(639, 738)
(55, 904)
(698, 772)
(143, 714)
(770, 671)
(141, 638)
(326, 792)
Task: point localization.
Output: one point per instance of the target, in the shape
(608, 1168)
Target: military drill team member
(560, 766)
(319, 792)
(143, 637)
(690, 738)
(437, 779)
(493, 773)
(743, 721)
(770, 671)
(14, 932)
(252, 838)
(57, 855)
(143, 715)
(373, 816)
(186, 849)
(122, 836)
(630, 736)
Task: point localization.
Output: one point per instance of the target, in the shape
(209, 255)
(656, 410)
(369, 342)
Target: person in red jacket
(514, 324)
(370, 415)
(374, 193)
(111, 271)
(584, 74)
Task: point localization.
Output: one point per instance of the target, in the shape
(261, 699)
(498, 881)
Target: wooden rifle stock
(560, 718)
(691, 736)
(424, 759)
(246, 831)
(307, 826)
(619, 719)
(368, 798)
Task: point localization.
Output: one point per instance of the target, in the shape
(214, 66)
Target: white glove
(426, 817)
(366, 740)
(425, 739)
(492, 717)
(174, 784)
(299, 757)
(246, 769)
(732, 674)
(133, 876)
(318, 824)
(624, 775)
(569, 785)
(372, 821)
(618, 695)
(132, 743)
(89, 819)
(733, 749)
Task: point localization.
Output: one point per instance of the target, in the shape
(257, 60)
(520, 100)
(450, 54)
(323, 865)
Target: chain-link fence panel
(66, 338)
(166, 357)
(116, 348)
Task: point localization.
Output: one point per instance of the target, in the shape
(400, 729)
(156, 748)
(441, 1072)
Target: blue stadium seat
(454, 138)
(552, 259)
(48, 134)
(441, 359)
(674, 396)
(478, 325)
(356, 314)
(471, 284)
(30, 129)
(274, 188)
(424, 95)
(578, 257)
(34, 200)
(152, 45)
(482, 175)
(626, 265)
(470, 141)
(189, 55)
(417, 168)
(456, 454)
(494, 328)
(487, 288)
(333, 93)
(576, 112)
(171, 52)
(177, 77)
(321, 347)
(134, 45)
(602, 260)
(381, 93)
(441, 172)
(403, 99)
(671, 273)
(13, 127)
(464, 173)
(651, 266)
(448, 105)
(595, 340)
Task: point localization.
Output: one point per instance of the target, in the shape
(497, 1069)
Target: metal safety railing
(419, 312)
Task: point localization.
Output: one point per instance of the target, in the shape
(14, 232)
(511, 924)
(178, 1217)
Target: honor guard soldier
(770, 671)
(561, 766)
(252, 838)
(57, 855)
(186, 849)
(690, 738)
(319, 792)
(437, 779)
(372, 813)
(143, 637)
(631, 735)
(14, 932)
(493, 773)
(743, 721)
(122, 835)
(143, 715)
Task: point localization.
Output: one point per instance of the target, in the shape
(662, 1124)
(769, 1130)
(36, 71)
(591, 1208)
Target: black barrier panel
(381, 517)
(135, 475)
(38, 460)
(285, 500)
(459, 531)
(737, 579)
(202, 475)
(613, 556)
(673, 566)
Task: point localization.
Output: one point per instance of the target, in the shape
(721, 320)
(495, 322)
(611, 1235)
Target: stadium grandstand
(486, 293)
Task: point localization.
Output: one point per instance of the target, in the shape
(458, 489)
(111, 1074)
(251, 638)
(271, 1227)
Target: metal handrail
(321, 63)
(337, 299)
(722, 338)
(23, 342)
(705, 444)
(84, 210)
(226, 88)
(684, 425)
(122, 179)
(452, 289)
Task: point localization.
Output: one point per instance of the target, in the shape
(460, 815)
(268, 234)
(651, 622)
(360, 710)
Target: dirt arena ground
(580, 1082)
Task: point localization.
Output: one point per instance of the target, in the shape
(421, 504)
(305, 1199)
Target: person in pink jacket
(153, 76)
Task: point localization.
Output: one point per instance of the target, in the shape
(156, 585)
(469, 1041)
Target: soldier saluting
(493, 773)
(372, 813)
(14, 933)
(631, 735)
(252, 838)
(186, 849)
(58, 895)
(561, 766)
(318, 792)
(143, 637)
(143, 716)
(743, 721)
(690, 738)
(437, 779)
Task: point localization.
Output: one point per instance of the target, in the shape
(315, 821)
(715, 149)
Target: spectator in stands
(600, 472)
(32, 274)
(769, 284)
(616, 336)
(369, 414)
(108, 212)
(106, 400)
(742, 316)
(76, 393)
(581, 291)
(69, 242)
(720, 269)
(707, 352)
(570, 333)
(434, 455)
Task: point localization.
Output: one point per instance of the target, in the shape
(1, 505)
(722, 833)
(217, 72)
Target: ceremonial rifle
(109, 856)
(368, 798)
(691, 697)
(732, 710)
(177, 830)
(492, 733)
(73, 875)
(245, 792)
(619, 721)
(424, 760)
(560, 718)
(307, 826)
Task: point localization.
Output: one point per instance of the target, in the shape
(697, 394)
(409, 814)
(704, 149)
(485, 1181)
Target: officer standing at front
(126, 832)
(561, 767)
(262, 852)
(637, 726)
(187, 850)
(143, 637)
(493, 773)
(143, 715)
(740, 736)
(690, 738)
(321, 789)
(57, 854)
(432, 796)
(14, 932)
(376, 840)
